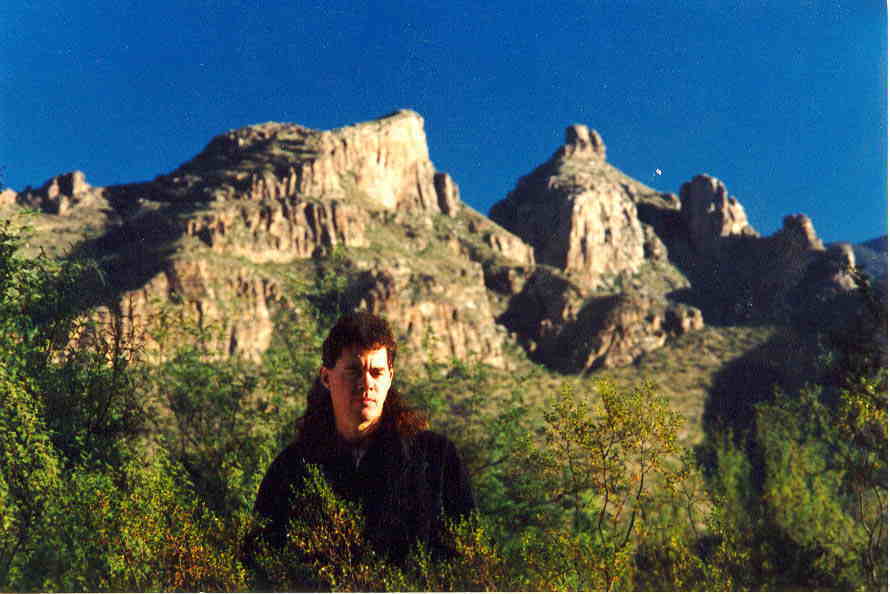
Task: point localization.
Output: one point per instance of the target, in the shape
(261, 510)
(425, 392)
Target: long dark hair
(316, 428)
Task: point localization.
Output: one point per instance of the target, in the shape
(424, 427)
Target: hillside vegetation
(130, 463)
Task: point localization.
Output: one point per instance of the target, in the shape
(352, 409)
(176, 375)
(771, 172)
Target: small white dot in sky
(658, 172)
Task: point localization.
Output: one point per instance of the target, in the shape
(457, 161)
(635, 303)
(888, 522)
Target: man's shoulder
(430, 436)
(432, 442)
(291, 460)
(293, 450)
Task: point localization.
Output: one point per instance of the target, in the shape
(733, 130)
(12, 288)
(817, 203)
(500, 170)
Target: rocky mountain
(580, 265)
(638, 267)
(872, 257)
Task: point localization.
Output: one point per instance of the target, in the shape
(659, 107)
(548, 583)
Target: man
(370, 446)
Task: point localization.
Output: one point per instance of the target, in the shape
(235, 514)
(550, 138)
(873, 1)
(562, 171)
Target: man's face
(359, 383)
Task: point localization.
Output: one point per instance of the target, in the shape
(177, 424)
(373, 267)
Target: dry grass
(57, 235)
(684, 371)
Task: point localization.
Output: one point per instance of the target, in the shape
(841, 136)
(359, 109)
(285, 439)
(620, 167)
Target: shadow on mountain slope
(785, 362)
(133, 252)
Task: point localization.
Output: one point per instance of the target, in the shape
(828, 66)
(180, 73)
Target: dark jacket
(405, 486)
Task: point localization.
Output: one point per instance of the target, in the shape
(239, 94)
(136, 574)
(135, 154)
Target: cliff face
(234, 309)
(274, 192)
(591, 308)
(575, 214)
(710, 213)
(221, 238)
(580, 265)
(384, 161)
(739, 276)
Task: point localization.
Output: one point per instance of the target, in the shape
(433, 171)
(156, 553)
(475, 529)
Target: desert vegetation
(128, 465)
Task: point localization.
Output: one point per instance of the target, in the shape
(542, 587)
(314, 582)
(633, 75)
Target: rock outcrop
(438, 321)
(575, 214)
(797, 271)
(872, 256)
(276, 194)
(546, 302)
(581, 265)
(566, 331)
(382, 164)
(710, 213)
(7, 197)
(582, 143)
(615, 331)
(738, 276)
(280, 229)
(59, 194)
(233, 312)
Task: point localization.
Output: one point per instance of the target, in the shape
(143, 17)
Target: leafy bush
(209, 417)
(30, 475)
(803, 494)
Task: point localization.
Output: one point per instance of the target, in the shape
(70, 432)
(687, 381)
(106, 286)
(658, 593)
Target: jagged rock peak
(57, 195)
(582, 143)
(68, 184)
(578, 213)
(383, 162)
(798, 229)
(711, 213)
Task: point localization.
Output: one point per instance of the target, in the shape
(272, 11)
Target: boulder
(8, 196)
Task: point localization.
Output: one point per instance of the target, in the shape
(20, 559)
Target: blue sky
(784, 100)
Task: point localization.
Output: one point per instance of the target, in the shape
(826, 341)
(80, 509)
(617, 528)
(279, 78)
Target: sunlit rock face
(438, 320)
(57, 196)
(278, 230)
(234, 310)
(580, 265)
(278, 194)
(279, 191)
(710, 213)
(575, 213)
(383, 163)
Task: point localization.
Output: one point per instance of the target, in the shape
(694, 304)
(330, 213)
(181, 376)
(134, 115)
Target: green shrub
(132, 528)
(30, 476)
(214, 425)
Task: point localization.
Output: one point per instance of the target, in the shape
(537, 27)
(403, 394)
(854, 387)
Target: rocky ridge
(581, 265)
(224, 235)
(737, 276)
